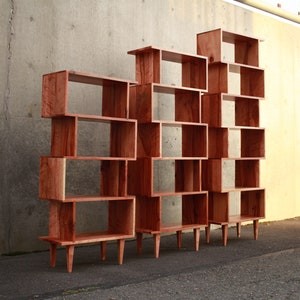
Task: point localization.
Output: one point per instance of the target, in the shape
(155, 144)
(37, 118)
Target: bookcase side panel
(54, 94)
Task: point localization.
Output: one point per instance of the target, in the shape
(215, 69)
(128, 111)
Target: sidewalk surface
(268, 268)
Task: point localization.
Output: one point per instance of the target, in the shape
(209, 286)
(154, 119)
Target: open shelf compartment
(147, 176)
(66, 233)
(193, 213)
(236, 142)
(172, 139)
(236, 79)
(224, 175)
(219, 45)
(100, 95)
(250, 203)
(149, 61)
(222, 110)
(71, 135)
(155, 102)
(69, 180)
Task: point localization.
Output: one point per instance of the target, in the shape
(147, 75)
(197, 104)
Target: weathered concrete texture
(43, 36)
(268, 268)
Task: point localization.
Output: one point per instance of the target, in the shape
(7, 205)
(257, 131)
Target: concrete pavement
(268, 268)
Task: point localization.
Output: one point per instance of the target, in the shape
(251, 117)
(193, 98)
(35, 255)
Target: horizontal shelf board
(164, 194)
(233, 97)
(93, 78)
(94, 118)
(245, 158)
(168, 54)
(238, 158)
(237, 66)
(171, 89)
(107, 158)
(177, 227)
(179, 158)
(241, 127)
(235, 219)
(195, 158)
(240, 189)
(171, 228)
(177, 123)
(92, 198)
(86, 238)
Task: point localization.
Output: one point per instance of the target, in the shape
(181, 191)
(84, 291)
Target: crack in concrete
(9, 58)
(7, 95)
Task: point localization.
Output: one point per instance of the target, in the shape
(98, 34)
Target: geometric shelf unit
(168, 111)
(101, 123)
(236, 142)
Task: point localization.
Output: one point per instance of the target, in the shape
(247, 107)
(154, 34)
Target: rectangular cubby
(236, 79)
(149, 61)
(225, 110)
(155, 102)
(95, 95)
(66, 232)
(184, 176)
(93, 137)
(68, 180)
(250, 203)
(236, 142)
(167, 139)
(219, 45)
(224, 175)
(192, 212)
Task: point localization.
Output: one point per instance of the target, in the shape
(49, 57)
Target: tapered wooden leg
(225, 234)
(103, 250)
(70, 257)
(196, 238)
(121, 246)
(207, 234)
(238, 230)
(139, 241)
(179, 238)
(156, 238)
(52, 255)
(255, 229)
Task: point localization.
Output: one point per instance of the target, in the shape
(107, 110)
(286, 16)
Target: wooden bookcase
(182, 119)
(71, 128)
(236, 142)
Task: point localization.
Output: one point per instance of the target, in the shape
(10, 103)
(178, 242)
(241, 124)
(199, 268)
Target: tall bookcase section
(236, 141)
(157, 165)
(71, 128)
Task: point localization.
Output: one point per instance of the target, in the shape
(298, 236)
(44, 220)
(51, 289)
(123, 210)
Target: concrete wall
(42, 36)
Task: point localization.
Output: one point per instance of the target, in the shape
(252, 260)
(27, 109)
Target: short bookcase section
(92, 140)
(251, 204)
(149, 216)
(64, 233)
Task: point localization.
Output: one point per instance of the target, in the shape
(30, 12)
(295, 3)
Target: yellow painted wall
(280, 115)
